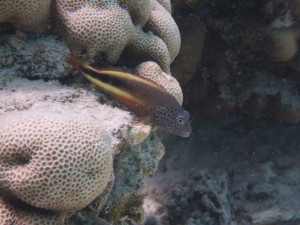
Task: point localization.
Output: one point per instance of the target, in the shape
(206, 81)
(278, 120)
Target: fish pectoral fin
(147, 120)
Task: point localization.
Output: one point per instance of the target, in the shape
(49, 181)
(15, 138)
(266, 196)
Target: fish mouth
(185, 134)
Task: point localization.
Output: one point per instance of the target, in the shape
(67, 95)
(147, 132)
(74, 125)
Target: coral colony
(59, 144)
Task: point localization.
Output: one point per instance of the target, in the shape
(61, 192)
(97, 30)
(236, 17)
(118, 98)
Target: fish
(152, 103)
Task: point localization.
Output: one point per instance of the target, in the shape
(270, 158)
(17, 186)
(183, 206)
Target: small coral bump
(281, 44)
(152, 71)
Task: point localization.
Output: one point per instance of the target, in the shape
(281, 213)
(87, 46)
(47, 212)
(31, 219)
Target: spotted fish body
(148, 100)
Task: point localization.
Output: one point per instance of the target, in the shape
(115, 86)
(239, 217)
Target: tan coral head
(53, 160)
(111, 27)
(29, 15)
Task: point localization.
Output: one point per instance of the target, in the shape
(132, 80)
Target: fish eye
(180, 119)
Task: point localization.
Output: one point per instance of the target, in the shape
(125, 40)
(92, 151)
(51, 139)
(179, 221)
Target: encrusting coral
(29, 15)
(41, 58)
(53, 160)
(107, 28)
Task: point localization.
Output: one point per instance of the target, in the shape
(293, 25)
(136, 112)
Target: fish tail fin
(76, 62)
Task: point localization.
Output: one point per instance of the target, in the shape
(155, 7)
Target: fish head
(183, 123)
(172, 119)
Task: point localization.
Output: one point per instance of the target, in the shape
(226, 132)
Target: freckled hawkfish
(148, 100)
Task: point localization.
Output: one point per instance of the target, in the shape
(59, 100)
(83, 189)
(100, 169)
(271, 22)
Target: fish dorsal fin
(110, 68)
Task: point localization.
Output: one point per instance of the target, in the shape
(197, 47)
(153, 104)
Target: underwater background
(71, 154)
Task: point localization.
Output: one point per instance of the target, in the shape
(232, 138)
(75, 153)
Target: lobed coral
(58, 154)
(166, 4)
(30, 15)
(55, 161)
(12, 212)
(152, 71)
(103, 27)
(162, 24)
(41, 97)
(107, 27)
(22, 94)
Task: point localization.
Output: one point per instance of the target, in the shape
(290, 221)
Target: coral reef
(31, 15)
(53, 160)
(18, 213)
(239, 58)
(58, 105)
(124, 201)
(61, 152)
(107, 28)
(162, 24)
(22, 94)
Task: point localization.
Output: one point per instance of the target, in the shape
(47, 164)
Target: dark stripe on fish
(142, 96)
(114, 81)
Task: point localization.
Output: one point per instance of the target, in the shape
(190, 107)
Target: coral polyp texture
(53, 160)
(152, 71)
(29, 15)
(162, 24)
(57, 151)
(11, 213)
(107, 27)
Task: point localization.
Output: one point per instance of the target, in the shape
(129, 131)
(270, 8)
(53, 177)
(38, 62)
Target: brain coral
(30, 15)
(162, 24)
(53, 160)
(12, 213)
(107, 27)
